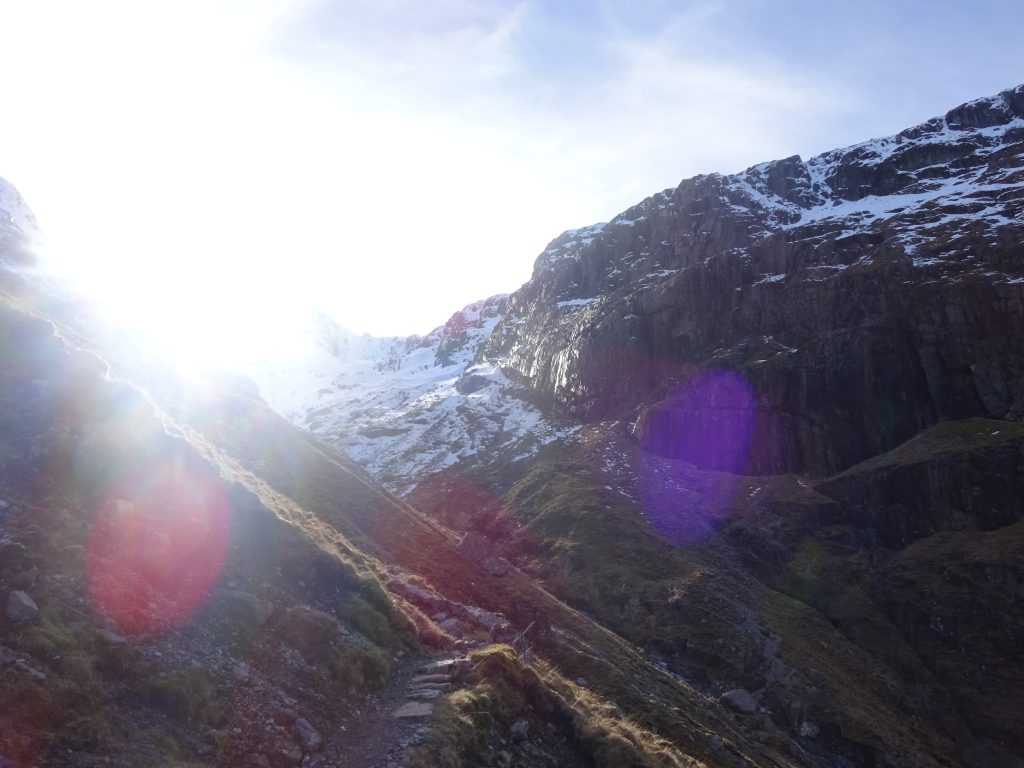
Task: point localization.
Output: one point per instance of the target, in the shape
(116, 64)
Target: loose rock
(740, 701)
(425, 694)
(245, 605)
(109, 637)
(307, 735)
(474, 546)
(21, 607)
(414, 709)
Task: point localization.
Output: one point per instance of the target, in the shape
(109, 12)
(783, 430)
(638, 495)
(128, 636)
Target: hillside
(734, 480)
(731, 361)
(189, 580)
(405, 407)
(890, 270)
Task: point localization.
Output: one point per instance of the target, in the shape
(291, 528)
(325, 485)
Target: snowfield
(406, 407)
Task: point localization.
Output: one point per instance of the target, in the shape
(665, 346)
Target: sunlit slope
(305, 533)
(872, 615)
(338, 499)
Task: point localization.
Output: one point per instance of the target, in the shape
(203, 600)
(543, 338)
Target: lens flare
(155, 552)
(707, 421)
(697, 443)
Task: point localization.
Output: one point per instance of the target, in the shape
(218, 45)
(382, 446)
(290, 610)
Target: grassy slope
(337, 493)
(699, 608)
(310, 515)
(73, 439)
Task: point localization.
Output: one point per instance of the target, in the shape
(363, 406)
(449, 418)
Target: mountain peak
(988, 111)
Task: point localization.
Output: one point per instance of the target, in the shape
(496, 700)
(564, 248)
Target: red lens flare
(155, 551)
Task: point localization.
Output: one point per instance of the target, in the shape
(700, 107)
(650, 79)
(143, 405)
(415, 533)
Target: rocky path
(393, 720)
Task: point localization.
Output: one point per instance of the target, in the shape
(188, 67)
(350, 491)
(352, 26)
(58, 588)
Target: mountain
(863, 295)
(734, 480)
(889, 271)
(188, 580)
(407, 407)
(787, 456)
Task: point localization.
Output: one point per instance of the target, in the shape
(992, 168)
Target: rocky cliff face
(792, 470)
(863, 294)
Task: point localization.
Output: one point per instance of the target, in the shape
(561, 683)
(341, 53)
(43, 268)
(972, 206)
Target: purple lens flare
(695, 443)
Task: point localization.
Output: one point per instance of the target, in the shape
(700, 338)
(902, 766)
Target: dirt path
(377, 738)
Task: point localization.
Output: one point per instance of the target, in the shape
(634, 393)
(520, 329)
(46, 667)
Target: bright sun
(199, 308)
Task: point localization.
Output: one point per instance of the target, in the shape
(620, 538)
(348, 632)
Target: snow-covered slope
(949, 176)
(404, 407)
(18, 228)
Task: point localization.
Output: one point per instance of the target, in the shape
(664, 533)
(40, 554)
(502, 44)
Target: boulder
(740, 701)
(21, 607)
(414, 709)
(451, 626)
(496, 566)
(486, 619)
(311, 632)
(469, 383)
(417, 595)
(424, 694)
(109, 637)
(443, 687)
(244, 605)
(307, 736)
(475, 546)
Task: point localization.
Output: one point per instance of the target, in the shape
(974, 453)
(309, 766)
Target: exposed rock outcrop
(890, 272)
(21, 607)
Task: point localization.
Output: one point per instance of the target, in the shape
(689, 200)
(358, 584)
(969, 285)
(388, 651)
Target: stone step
(435, 678)
(423, 695)
(414, 709)
(433, 686)
(443, 665)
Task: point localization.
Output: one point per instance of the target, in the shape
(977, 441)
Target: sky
(212, 168)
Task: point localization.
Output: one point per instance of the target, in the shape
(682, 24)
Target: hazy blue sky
(392, 161)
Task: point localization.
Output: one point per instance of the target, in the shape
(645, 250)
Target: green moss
(165, 744)
(86, 730)
(367, 620)
(503, 688)
(311, 632)
(185, 695)
(47, 640)
(346, 661)
(946, 437)
(365, 669)
(70, 702)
